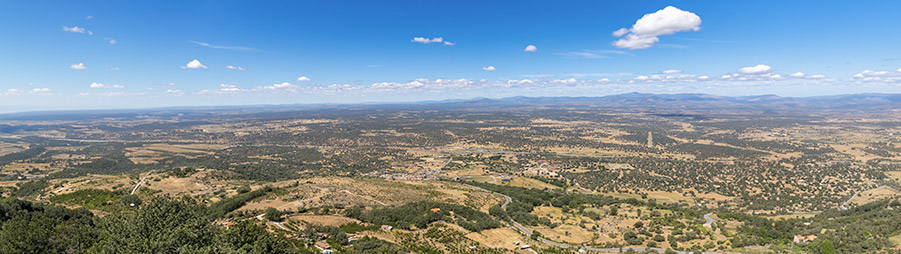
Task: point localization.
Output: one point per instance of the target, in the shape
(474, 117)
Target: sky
(67, 55)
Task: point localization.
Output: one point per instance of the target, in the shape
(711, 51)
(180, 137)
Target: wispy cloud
(580, 75)
(426, 40)
(232, 67)
(224, 89)
(11, 92)
(96, 85)
(591, 54)
(174, 92)
(74, 29)
(670, 71)
(280, 87)
(237, 48)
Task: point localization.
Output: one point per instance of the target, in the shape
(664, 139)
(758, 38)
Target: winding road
(528, 233)
(140, 182)
(709, 219)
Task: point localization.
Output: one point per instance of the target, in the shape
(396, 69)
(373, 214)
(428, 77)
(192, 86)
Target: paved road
(528, 233)
(709, 219)
(277, 224)
(845, 204)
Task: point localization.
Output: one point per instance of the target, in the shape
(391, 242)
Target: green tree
(249, 237)
(535, 235)
(128, 200)
(827, 248)
(163, 225)
(273, 214)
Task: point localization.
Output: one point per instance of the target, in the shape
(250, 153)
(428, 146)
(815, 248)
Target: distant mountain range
(639, 102)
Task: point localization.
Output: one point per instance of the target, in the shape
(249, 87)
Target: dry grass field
(7, 148)
(497, 238)
(371, 192)
(876, 194)
(152, 153)
(323, 220)
(567, 233)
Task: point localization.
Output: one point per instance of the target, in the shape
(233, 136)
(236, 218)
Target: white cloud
(40, 90)
(303, 79)
(101, 85)
(755, 70)
(899, 70)
(79, 66)
(878, 76)
(169, 84)
(671, 71)
(425, 40)
(194, 64)
(797, 75)
(74, 29)
(174, 92)
(227, 89)
(88, 17)
(447, 43)
(531, 48)
(489, 68)
(645, 32)
(112, 41)
(232, 67)
(284, 86)
(818, 76)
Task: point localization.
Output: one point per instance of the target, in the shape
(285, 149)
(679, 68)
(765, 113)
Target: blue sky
(134, 54)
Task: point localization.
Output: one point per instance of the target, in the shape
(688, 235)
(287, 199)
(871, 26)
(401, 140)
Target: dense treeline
(757, 230)
(27, 227)
(30, 188)
(862, 229)
(224, 206)
(163, 225)
(866, 228)
(22, 155)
